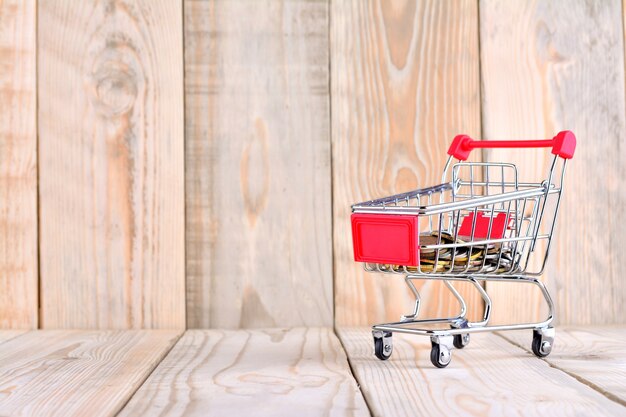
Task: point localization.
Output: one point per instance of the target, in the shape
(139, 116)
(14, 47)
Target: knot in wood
(115, 88)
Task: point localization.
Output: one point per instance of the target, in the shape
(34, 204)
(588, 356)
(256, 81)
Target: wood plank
(111, 164)
(257, 164)
(77, 373)
(405, 81)
(489, 377)
(274, 372)
(549, 66)
(18, 165)
(10, 334)
(595, 355)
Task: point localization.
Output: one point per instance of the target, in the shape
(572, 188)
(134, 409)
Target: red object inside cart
(481, 228)
(385, 238)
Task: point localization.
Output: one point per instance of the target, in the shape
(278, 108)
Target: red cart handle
(563, 145)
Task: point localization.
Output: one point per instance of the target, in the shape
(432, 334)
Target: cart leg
(416, 308)
(546, 296)
(460, 318)
(543, 335)
(486, 299)
(458, 321)
(463, 312)
(462, 340)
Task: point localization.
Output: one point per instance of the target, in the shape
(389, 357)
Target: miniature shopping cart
(480, 224)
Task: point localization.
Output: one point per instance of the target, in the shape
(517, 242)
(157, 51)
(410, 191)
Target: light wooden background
(171, 164)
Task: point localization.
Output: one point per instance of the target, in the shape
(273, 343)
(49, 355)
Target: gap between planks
(352, 370)
(148, 374)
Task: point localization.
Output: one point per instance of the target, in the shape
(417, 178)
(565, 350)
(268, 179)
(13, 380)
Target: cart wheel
(383, 346)
(543, 340)
(440, 355)
(461, 340)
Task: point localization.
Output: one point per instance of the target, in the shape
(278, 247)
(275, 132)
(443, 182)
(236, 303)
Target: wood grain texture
(274, 372)
(258, 164)
(405, 81)
(18, 165)
(111, 164)
(549, 66)
(594, 355)
(77, 373)
(10, 334)
(490, 377)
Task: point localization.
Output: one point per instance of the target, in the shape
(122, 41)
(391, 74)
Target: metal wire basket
(481, 223)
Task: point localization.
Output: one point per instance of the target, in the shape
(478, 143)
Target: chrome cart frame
(479, 224)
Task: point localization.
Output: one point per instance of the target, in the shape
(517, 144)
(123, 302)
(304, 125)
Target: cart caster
(383, 347)
(461, 340)
(543, 340)
(440, 354)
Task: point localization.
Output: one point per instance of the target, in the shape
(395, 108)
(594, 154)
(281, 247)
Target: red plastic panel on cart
(481, 227)
(385, 238)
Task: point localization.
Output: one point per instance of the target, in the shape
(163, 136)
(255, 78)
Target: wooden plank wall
(549, 66)
(184, 164)
(18, 165)
(111, 169)
(258, 164)
(405, 80)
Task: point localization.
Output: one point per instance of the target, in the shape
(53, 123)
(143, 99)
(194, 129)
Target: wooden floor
(306, 372)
